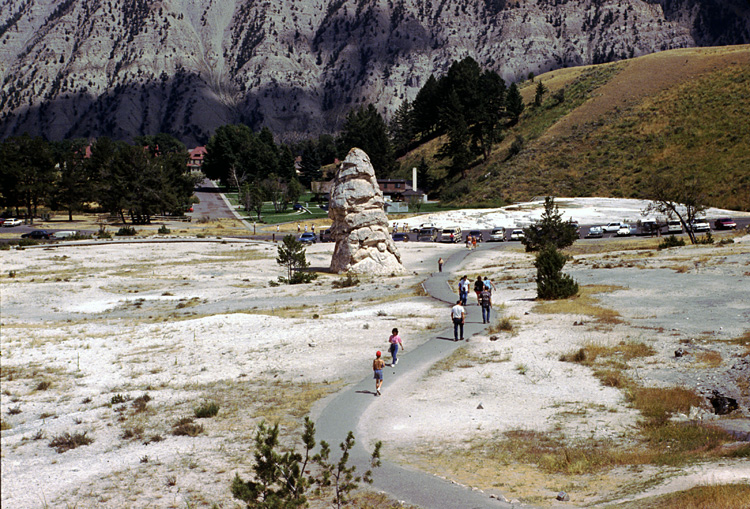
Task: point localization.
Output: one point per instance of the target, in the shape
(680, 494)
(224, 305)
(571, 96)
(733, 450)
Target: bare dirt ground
(87, 331)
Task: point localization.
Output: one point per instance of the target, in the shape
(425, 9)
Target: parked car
(624, 230)
(64, 234)
(451, 234)
(725, 223)
(308, 238)
(674, 226)
(612, 227)
(497, 234)
(297, 206)
(517, 235)
(428, 234)
(36, 234)
(323, 206)
(400, 237)
(13, 222)
(648, 228)
(700, 225)
(595, 232)
(422, 226)
(325, 235)
(2, 220)
(477, 234)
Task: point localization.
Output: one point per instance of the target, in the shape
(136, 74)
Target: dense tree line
(469, 105)
(139, 180)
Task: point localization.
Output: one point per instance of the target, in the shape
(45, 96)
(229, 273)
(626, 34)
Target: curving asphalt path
(343, 413)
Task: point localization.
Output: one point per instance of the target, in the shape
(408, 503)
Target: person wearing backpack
(485, 300)
(478, 287)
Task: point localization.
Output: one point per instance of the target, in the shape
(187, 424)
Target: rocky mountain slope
(128, 67)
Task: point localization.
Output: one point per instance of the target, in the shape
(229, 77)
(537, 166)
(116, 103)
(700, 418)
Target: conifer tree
(514, 103)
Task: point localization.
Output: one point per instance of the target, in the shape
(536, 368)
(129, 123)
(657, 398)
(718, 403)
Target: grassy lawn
(270, 216)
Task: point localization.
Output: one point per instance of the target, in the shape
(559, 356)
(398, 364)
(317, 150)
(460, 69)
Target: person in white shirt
(458, 314)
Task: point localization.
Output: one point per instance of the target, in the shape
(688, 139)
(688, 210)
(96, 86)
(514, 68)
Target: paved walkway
(342, 414)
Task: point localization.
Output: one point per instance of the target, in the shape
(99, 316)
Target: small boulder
(563, 497)
(722, 404)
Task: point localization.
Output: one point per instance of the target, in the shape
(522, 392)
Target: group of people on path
(471, 242)
(483, 288)
(395, 343)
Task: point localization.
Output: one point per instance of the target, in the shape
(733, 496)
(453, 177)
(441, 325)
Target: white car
(497, 234)
(451, 234)
(595, 232)
(674, 227)
(64, 234)
(423, 225)
(700, 225)
(517, 235)
(624, 230)
(612, 227)
(13, 222)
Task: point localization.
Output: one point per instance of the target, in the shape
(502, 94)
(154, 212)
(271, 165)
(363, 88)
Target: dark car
(308, 238)
(325, 235)
(297, 206)
(36, 234)
(725, 223)
(400, 237)
(649, 228)
(477, 234)
(429, 234)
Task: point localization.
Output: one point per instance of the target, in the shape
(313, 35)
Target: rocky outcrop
(360, 226)
(128, 67)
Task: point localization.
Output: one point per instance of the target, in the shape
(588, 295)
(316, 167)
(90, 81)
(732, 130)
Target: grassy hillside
(682, 111)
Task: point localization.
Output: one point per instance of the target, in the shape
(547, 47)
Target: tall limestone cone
(360, 226)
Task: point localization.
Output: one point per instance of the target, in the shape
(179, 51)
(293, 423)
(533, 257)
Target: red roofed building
(195, 160)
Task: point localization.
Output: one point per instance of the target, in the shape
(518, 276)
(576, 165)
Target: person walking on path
(473, 242)
(468, 242)
(298, 228)
(478, 287)
(458, 314)
(395, 344)
(488, 284)
(485, 300)
(463, 290)
(440, 264)
(377, 367)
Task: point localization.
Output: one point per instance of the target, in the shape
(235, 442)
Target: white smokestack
(414, 178)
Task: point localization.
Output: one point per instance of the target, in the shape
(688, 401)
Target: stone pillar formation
(360, 226)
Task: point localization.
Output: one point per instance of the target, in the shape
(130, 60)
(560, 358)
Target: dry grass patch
(283, 311)
(625, 351)
(583, 304)
(709, 358)
(464, 358)
(611, 246)
(743, 340)
(505, 324)
(66, 441)
(718, 496)
(274, 401)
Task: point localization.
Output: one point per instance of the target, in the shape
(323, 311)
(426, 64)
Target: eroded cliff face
(127, 67)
